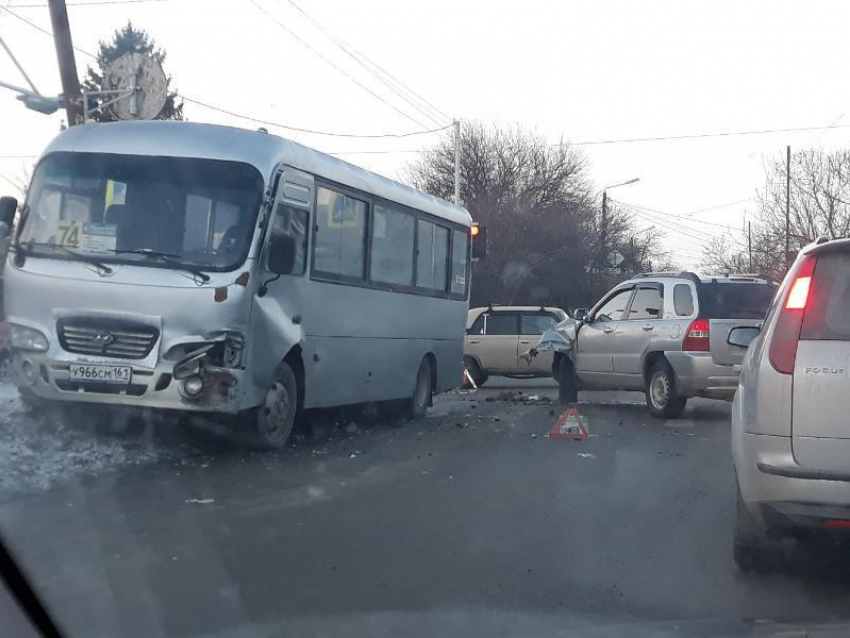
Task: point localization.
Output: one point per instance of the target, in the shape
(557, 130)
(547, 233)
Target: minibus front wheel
(274, 418)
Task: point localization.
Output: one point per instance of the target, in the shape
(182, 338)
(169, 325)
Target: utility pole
(787, 204)
(603, 226)
(456, 124)
(750, 243)
(67, 63)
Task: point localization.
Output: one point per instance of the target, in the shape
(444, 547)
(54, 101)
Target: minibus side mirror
(282, 253)
(8, 206)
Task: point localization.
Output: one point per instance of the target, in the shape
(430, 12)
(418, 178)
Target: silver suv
(663, 333)
(790, 424)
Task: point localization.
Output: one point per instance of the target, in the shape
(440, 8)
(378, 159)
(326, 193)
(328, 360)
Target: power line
(42, 30)
(306, 130)
(702, 238)
(704, 210)
(633, 140)
(692, 221)
(332, 64)
(248, 117)
(692, 136)
(93, 3)
(3, 177)
(429, 109)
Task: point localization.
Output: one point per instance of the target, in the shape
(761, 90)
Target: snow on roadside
(38, 451)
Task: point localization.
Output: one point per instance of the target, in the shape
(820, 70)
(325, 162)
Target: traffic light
(479, 240)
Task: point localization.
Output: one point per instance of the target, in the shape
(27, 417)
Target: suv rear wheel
(662, 397)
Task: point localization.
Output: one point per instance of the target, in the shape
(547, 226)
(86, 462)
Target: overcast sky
(585, 71)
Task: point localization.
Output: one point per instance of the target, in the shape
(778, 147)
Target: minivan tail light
(786, 334)
(697, 337)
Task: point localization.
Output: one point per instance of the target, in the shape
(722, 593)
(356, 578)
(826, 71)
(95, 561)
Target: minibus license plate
(86, 373)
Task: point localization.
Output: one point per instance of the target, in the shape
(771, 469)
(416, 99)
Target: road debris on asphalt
(200, 501)
(351, 428)
(586, 455)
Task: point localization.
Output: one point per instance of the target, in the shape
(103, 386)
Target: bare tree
(542, 217)
(819, 205)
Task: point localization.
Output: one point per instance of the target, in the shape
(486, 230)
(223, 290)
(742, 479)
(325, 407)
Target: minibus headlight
(24, 338)
(234, 344)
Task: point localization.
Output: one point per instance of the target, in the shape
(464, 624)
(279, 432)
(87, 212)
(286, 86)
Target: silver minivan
(790, 429)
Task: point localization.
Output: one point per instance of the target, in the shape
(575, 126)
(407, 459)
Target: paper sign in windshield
(98, 238)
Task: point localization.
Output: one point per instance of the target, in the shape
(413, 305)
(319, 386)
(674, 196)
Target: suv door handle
(525, 341)
(648, 327)
(608, 330)
(475, 341)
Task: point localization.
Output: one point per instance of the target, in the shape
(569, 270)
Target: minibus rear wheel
(274, 418)
(418, 404)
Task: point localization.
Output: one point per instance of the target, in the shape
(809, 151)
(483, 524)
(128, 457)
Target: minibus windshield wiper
(94, 261)
(167, 258)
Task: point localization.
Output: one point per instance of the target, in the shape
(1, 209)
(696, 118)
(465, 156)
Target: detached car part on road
(663, 333)
(790, 430)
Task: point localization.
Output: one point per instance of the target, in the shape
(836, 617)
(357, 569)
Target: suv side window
(648, 303)
(612, 309)
(536, 323)
(502, 323)
(683, 300)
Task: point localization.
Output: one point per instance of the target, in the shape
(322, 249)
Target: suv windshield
(733, 300)
(122, 208)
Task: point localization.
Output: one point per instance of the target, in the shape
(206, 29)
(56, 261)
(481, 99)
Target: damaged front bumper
(561, 339)
(197, 386)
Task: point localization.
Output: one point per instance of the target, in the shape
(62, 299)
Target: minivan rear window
(735, 300)
(828, 306)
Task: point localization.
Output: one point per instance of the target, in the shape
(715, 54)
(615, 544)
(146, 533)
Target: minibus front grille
(122, 339)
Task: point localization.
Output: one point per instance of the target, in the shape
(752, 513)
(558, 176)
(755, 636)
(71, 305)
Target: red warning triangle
(569, 426)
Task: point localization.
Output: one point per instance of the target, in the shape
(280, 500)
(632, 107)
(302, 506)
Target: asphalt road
(471, 522)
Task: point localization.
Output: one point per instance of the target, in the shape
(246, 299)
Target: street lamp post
(604, 225)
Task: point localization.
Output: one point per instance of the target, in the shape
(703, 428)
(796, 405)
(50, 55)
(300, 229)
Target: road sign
(615, 258)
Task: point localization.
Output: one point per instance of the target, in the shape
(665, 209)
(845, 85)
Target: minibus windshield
(125, 208)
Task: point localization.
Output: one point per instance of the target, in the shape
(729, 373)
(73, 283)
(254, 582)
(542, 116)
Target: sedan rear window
(828, 306)
(732, 300)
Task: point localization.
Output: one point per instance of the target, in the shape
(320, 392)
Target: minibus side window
(460, 244)
(293, 222)
(432, 257)
(340, 246)
(392, 246)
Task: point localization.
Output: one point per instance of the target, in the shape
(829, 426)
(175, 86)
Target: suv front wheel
(662, 397)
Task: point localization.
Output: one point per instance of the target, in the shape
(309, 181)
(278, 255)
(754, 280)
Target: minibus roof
(264, 151)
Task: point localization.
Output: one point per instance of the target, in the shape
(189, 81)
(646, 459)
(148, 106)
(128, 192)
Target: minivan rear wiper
(94, 261)
(167, 258)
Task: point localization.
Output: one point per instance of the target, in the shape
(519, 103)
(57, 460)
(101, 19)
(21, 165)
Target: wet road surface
(466, 522)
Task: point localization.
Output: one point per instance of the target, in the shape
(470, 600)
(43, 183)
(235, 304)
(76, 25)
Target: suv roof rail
(684, 274)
